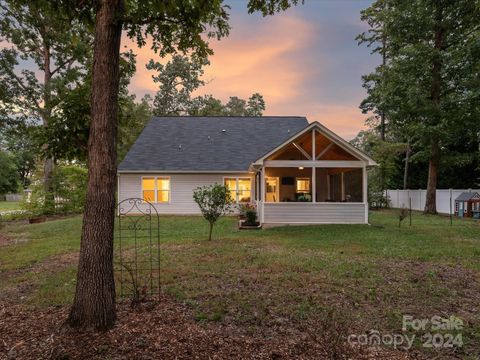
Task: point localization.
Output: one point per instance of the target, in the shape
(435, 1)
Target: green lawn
(368, 276)
(9, 205)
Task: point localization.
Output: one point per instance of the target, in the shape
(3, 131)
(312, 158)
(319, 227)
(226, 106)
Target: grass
(372, 274)
(10, 205)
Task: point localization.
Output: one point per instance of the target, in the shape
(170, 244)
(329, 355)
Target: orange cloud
(254, 60)
(265, 55)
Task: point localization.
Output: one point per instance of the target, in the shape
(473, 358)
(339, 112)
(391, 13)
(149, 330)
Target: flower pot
(243, 226)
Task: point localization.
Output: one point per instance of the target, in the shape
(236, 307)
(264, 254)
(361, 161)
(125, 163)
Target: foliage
(177, 79)
(251, 217)
(213, 201)
(69, 186)
(180, 77)
(243, 208)
(133, 116)
(37, 34)
(9, 178)
(385, 154)
(428, 86)
(17, 137)
(255, 105)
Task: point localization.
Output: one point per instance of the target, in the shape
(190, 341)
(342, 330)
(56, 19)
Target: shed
(467, 204)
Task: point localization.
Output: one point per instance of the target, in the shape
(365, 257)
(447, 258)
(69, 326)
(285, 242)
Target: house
(294, 171)
(467, 204)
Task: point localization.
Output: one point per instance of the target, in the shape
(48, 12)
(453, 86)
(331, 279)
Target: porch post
(342, 185)
(314, 173)
(262, 195)
(365, 191)
(314, 185)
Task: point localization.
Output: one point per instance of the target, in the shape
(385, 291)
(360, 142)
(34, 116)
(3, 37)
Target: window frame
(156, 188)
(308, 191)
(237, 178)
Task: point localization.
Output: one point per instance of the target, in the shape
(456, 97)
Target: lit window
(303, 185)
(231, 184)
(148, 186)
(156, 189)
(163, 190)
(240, 189)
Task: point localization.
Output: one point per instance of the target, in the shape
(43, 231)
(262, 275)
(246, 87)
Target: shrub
(243, 208)
(213, 201)
(251, 217)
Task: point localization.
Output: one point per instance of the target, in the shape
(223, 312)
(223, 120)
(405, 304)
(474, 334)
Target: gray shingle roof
(190, 143)
(465, 196)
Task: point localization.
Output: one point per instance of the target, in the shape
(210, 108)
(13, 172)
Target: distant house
(294, 171)
(467, 204)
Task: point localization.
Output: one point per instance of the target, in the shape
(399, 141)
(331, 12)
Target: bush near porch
(293, 278)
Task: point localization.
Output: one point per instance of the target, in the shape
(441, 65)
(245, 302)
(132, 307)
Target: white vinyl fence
(400, 198)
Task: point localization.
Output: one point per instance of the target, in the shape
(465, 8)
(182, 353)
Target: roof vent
(224, 131)
(288, 131)
(179, 147)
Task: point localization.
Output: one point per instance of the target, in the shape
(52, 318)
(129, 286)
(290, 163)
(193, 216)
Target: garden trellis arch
(137, 249)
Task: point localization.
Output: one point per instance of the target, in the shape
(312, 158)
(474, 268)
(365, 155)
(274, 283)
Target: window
(240, 188)
(156, 189)
(303, 185)
(148, 186)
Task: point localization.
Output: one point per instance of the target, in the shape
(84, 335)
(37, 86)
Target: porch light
(300, 168)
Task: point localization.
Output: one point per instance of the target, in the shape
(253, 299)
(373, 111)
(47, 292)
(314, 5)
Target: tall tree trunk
(94, 303)
(435, 94)
(384, 63)
(431, 200)
(49, 205)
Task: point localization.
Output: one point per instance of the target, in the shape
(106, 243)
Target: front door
(272, 192)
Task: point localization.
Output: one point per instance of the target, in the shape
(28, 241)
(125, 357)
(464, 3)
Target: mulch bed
(158, 330)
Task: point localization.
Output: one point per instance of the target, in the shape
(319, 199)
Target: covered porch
(312, 179)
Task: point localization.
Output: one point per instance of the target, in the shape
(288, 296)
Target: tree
(213, 201)
(235, 106)
(256, 105)
(8, 176)
(385, 153)
(206, 105)
(180, 77)
(17, 138)
(429, 85)
(37, 33)
(172, 26)
(177, 79)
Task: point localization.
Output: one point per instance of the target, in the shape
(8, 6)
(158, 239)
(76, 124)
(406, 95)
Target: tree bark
(431, 200)
(384, 63)
(94, 303)
(210, 232)
(435, 94)
(49, 205)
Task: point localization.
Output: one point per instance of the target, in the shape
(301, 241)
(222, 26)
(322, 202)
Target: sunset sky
(304, 61)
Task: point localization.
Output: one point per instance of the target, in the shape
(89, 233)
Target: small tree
(213, 201)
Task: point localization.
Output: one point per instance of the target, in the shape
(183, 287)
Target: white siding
(314, 213)
(181, 189)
